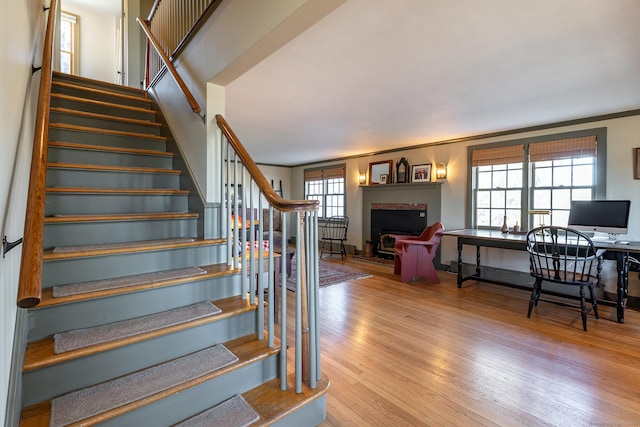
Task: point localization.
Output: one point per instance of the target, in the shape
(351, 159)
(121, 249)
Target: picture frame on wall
(636, 163)
(421, 173)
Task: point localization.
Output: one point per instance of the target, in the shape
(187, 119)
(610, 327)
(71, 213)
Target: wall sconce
(362, 178)
(441, 171)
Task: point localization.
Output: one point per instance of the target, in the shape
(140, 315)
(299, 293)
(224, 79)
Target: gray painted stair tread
(210, 271)
(106, 131)
(63, 110)
(92, 190)
(110, 168)
(101, 103)
(136, 97)
(59, 76)
(40, 354)
(95, 400)
(234, 412)
(88, 147)
(149, 245)
(123, 245)
(247, 348)
(121, 282)
(86, 337)
(117, 217)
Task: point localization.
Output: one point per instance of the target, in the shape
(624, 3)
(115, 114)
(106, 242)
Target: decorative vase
(504, 228)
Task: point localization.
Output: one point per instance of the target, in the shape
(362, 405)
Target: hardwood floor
(432, 354)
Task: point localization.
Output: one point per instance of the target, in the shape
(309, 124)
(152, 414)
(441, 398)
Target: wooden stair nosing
(48, 254)
(274, 404)
(76, 128)
(248, 349)
(118, 191)
(212, 271)
(108, 168)
(64, 76)
(106, 104)
(58, 84)
(86, 114)
(119, 217)
(124, 150)
(39, 354)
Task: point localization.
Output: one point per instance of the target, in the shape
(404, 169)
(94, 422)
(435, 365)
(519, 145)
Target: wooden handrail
(270, 194)
(195, 107)
(30, 282)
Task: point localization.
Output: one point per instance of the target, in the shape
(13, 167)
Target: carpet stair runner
(138, 324)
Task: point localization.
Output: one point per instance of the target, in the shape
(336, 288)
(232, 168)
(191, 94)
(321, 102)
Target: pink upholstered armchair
(414, 254)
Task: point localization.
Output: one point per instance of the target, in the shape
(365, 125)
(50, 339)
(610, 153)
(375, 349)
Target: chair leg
(594, 303)
(583, 308)
(535, 295)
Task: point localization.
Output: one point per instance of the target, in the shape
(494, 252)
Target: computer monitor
(603, 216)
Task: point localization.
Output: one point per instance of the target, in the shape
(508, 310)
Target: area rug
(330, 274)
(374, 260)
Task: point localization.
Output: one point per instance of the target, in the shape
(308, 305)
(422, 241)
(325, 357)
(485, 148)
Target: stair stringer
(209, 221)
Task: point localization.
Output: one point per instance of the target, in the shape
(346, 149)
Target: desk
(497, 239)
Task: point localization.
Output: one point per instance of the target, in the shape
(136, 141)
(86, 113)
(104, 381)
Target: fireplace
(388, 219)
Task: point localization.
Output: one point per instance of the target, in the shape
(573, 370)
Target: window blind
(563, 148)
(498, 155)
(329, 173)
(313, 175)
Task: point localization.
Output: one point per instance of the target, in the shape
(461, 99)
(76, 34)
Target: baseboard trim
(14, 398)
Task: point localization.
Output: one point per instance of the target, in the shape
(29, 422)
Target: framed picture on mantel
(402, 171)
(421, 173)
(377, 169)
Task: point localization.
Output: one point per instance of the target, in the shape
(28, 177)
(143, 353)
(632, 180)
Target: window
(327, 186)
(498, 173)
(537, 174)
(68, 43)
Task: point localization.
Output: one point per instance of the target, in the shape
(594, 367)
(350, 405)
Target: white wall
(238, 35)
(623, 135)
(98, 48)
(18, 47)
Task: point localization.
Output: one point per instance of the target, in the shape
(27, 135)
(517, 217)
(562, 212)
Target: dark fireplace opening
(388, 219)
(387, 242)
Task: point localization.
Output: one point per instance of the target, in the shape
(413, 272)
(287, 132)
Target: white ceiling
(376, 75)
(109, 7)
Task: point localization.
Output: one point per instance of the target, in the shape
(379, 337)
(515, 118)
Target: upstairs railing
(30, 282)
(173, 22)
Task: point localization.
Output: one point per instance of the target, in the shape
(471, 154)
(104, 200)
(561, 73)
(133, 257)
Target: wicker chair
(565, 256)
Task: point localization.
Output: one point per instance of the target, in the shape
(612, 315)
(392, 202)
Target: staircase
(138, 325)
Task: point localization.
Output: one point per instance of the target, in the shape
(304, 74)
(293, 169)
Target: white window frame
(73, 51)
(332, 202)
(559, 212)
